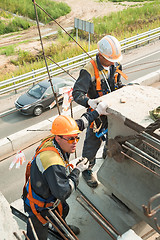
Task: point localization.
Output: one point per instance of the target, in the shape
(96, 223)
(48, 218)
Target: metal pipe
(33, 230)
(62, 235)
(143, 153)
(61, 225)
(150, 145)
(25, 235)
(139, 163)
(129, 149)
(16, 235)
(156, 209)
(156, 223)
(153, 139)
(104, 219)
(112, 234)
(66, 225)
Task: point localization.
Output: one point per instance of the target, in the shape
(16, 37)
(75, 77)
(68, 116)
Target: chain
(61, 155)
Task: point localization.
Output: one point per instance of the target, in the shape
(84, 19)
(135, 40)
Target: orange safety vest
(98, 79)
(32, 200)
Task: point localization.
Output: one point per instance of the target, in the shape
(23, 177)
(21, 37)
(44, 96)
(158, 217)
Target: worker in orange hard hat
(48, 184)
(98, 77)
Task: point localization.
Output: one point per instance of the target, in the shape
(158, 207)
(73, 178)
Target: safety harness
(40, 202)
(98, 79)
(100, 132)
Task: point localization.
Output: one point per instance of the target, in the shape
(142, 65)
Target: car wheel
(37, 111)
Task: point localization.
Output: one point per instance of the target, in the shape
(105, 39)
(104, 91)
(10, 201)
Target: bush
(26, 8)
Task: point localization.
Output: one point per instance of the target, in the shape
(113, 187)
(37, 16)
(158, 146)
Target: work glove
(82, 164)
(93, 103)
(102, 108)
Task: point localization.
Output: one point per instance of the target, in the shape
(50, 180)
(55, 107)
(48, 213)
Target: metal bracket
(148, 211)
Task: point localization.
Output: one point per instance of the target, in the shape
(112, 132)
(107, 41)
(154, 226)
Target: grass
(26, 8)
(8, 51)
(129, 22)
(14, 25)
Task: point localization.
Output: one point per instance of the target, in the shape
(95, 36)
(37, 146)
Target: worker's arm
(88, 117)
(61, 185)
(81, 88)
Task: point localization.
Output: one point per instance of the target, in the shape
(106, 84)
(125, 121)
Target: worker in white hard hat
(100, 76)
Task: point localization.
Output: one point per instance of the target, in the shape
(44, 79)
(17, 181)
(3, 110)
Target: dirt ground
(81, 9)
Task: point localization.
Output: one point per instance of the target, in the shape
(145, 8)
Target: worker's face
(68, 142)
(104, 61)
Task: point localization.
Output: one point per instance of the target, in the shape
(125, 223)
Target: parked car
(40, 96)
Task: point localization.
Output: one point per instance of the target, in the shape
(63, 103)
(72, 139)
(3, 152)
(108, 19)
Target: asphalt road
(136, 63)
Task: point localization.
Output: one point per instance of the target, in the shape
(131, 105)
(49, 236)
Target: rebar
(148, 211)
(33, 230)
(104, 219)
(58, 230)
(142, 156)
(66, 225)
(27, 238)
(140, 164)
(143, 153)
(110, 232)
(61, 225)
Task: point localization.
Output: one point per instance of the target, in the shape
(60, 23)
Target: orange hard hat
(109, 47)
(64, 125)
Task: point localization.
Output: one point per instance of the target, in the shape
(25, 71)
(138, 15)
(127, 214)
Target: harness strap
(122, 73)
(38, 215)
(98, 79)
(32, 200)
(47, 149)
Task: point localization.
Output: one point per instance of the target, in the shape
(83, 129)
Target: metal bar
(61, 225)
(37, 20)
(33, 230)
(112, 234)
(16, 235)
(104, 219)
(24, 218)
(139, 163)
(150, 202)
(143, 153)
(153, 139)
(66, 225)
(25, 235)
(61, 68)
(62, 235)
(150, 145)
(156, 223)
(140, 155)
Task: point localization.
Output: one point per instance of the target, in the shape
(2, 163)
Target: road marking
(140, 58)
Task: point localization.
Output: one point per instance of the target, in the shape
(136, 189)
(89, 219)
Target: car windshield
(37, 91)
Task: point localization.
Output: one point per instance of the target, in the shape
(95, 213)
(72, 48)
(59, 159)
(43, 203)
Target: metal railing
(34, 76)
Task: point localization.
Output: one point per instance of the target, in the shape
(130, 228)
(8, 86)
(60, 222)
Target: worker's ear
(57, 138)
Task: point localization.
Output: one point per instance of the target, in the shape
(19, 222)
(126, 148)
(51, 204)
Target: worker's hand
(82, 164)
(93, 103)
(102, 108)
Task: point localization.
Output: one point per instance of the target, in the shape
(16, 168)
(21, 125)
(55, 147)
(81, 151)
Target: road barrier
(34, 76)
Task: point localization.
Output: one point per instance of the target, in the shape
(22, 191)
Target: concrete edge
(28, 136)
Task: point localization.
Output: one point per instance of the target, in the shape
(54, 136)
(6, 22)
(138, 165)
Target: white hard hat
(109, 47)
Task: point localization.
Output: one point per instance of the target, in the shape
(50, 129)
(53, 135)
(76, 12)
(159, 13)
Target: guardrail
(34, 76)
